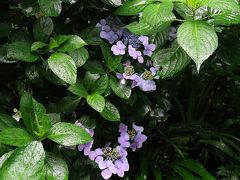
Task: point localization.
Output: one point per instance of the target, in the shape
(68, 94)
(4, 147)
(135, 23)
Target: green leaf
(160, 38)
(42, 28)
(88, 122)
(21, 51)
(65, 105)
(56, 168)
(161, 17)
(80, 56)
(96, 101)
(195, 167)
(100, 85)
(4, 157)
(89, 79)
(4, 30)
(38, 45)
(78, 89)
(15, 137)
(95, 67)
(223, 147)
(68, 134)
(64, 67)
(54, 117)
(225, 17)
(198, 39)
(34, 116)
(73, 42)
(110, 112)
(91, 36)
(7, 121)
(24, 163)
(184, 173)
(120, 90)
(4, 149)
(230, 5)
(50, 7)
(130, 8)
(171, 61)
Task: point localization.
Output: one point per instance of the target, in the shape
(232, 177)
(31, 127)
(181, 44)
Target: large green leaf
(56, 168)
(34, 116)
(4, 157)
(171, 61)
(161, 16)
(21, 51)
(63, 66)
(230, 5)
(78, 89)
(198, 39)
(68, 134)
(119, 89)
(7, 121)
(130, 8)
(73, 42)
(42, 29)
(24, 163)
(225, 17)
(110, 112)
(80, 56)
(100, 85)
(50, 7)
(96, 101)
(15, 137)
(184, 173)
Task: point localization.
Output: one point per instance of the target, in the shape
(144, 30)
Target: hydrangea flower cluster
(113, 160)
(137, 48)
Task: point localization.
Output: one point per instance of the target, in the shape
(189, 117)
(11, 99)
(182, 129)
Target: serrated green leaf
(198, 39)
(120, 90)
(64, 67)
(34, 116)
(78, 89)
(37, 45)
(24, 163)
(171, 61)
(21, 51)
(56, 168)
(73, 42)
(96, 101)
(110, 112)
(50, 7)
(68, 134)
(80, 56)
(230, 5)
(42, 29)
(15, 137)
(100, 85)
(4, 157)
(130, 8)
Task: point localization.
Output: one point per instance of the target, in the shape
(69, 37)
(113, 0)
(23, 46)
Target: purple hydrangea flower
(86, 148)
(148, 48)
(144, 85)
(111, 36)
(111, 161)
(131, 138)
(119, 48)
(128, 73)
(135, 54)
(103, 25)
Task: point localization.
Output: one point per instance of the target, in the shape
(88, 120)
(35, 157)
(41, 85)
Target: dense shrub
(133, 89)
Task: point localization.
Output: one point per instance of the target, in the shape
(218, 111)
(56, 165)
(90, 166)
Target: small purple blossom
(172, 35)
(111, 161)
(110, 36)
(131, 138)
(128, 73)
(148, 49)
(135, 54)
(118, 49)
(86, 148)
(144, 40)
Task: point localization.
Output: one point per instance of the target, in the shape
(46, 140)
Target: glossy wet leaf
(7, 121)
(80, 56)
(50, 7)
(68, 134)
(15, 137)
(110, 112)
(120, 90)
(26, 162)
(96, 101)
